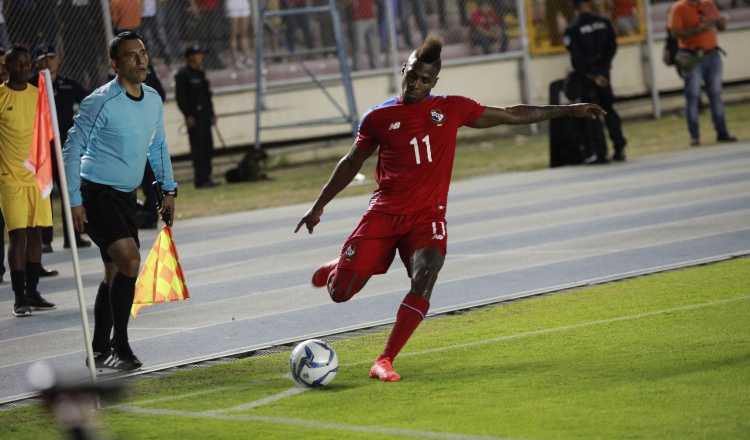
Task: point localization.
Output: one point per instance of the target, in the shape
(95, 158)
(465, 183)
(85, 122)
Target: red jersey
(622, 8)
(417, 146)
(206, 5)
(363, 10)
(487, 21)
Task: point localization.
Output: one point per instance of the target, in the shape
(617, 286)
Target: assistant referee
(118, 127)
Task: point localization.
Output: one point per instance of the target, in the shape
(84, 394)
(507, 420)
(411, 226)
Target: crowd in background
(226, 28)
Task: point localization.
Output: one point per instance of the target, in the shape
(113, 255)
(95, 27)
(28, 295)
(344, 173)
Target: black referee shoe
(101, 360)
(123, 358)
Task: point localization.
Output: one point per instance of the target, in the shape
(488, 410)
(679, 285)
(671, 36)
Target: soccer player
(21, 202)
(117, 128)
(416, 132)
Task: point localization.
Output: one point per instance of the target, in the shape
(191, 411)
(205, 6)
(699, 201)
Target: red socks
(410, 314)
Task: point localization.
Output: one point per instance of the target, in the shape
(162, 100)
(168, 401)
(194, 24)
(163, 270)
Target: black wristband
(170, 192)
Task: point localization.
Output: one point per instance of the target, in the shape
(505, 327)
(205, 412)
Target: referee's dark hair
(114, 45)
(14, 49)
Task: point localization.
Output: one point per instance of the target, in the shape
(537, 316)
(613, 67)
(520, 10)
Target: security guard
(68, 92)
(194, 99)
(590, 39)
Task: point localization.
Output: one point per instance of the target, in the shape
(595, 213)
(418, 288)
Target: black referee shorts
(111, 215)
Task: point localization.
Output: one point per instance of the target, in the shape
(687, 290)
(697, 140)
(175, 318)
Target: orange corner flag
(161, 279)
(40, 159)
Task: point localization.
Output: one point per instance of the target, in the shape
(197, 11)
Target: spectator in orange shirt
(692, 23)
(126, 15)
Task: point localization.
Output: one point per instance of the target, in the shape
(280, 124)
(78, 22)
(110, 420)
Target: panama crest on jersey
(437, 116)
(350, 251)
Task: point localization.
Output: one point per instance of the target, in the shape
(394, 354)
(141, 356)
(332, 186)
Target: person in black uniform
(590, 39)
(193, 95)
(68, 92)
(82, 30)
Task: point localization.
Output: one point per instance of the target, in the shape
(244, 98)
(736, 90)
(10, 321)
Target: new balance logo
(435, 235)
(395, 126)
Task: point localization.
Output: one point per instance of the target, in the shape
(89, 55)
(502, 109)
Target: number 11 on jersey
(426, 140)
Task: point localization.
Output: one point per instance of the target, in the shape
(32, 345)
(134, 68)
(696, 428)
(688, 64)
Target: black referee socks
(121, 294)
(102, 319)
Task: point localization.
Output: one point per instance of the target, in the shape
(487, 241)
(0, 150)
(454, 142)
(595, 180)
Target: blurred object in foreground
(72, 404)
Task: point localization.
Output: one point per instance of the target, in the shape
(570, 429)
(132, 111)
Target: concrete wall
(492, 82)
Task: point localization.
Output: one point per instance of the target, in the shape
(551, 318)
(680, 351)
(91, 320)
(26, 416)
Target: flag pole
(69, 220)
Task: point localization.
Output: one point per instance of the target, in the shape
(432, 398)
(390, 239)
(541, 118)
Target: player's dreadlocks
(429, 53)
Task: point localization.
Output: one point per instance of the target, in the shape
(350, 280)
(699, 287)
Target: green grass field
(665, 356)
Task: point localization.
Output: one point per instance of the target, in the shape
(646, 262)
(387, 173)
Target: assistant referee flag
(161, 279)
(40, 157)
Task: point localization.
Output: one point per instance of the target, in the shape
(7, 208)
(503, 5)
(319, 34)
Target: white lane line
(565, 327)
(309, 424)
(288, 393)
(200, 393)
(161, 328)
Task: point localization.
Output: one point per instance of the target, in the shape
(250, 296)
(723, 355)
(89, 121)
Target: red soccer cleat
(383, 370)
(321, 274)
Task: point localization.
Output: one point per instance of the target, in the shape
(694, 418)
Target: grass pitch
(662, 356)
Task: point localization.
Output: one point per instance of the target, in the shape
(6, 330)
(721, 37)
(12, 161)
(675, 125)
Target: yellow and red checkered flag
(161, 279)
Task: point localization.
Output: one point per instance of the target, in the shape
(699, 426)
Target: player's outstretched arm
(343, 174)
(529, 114)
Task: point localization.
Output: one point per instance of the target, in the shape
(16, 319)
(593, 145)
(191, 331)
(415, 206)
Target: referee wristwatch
(170, 192)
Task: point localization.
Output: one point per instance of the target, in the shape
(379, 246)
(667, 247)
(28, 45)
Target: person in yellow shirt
(21, 202)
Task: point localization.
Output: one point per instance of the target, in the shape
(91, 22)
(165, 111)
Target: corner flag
(40, 158)
(161, 279)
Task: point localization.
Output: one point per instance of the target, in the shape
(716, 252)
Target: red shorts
(371, 248)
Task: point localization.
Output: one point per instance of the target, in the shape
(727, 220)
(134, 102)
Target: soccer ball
(313, 363)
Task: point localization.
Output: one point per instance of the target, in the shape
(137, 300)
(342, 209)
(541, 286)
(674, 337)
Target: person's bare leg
(245, 38)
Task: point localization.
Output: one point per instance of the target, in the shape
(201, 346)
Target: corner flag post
(69, 221)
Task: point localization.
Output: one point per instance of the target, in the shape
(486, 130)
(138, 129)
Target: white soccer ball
(313, 363)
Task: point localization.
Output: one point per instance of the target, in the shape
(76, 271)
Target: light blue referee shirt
(112, 136)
